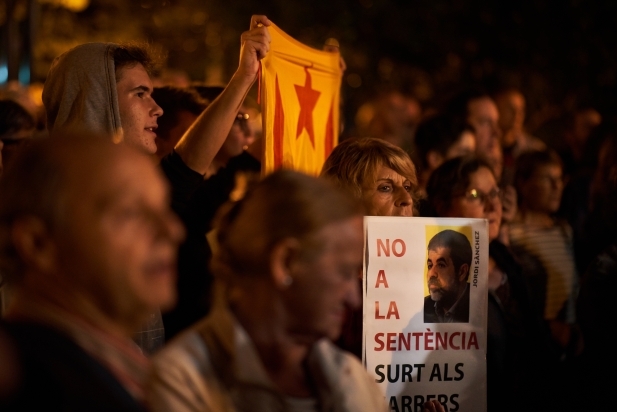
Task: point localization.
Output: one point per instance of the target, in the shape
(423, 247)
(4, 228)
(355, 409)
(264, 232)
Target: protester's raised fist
(255, 46)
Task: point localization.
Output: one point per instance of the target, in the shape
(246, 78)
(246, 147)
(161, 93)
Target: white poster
(425, 311)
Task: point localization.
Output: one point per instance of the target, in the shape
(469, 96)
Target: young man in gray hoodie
(106, 88)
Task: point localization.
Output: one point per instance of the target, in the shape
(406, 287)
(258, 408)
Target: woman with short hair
(382, 178)
(377, 173)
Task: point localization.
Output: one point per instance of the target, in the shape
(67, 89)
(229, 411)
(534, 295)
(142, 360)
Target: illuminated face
(119, 243)
(388, 195)
(138, 110)
(444, 283)
(511, 107)
(542, 192)
(484, 117)
(481, 200)
(326, 286)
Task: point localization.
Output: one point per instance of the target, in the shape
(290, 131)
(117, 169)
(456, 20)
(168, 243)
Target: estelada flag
(300, 90)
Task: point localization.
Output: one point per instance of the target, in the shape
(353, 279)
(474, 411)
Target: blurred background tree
(557, 52)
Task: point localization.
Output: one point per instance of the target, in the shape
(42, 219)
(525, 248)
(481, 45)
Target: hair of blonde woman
(355, 162)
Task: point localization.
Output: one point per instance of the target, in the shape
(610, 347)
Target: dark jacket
(57, 375)
(460, 313)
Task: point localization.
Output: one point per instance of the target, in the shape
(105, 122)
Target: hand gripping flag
(300, 92)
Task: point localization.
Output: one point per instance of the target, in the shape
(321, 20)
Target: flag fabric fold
(300, 93)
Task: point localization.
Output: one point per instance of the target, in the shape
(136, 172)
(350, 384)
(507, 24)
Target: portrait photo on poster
(425, 297)
(448, 265)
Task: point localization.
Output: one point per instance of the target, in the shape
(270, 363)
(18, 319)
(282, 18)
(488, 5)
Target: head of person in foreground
(86, 225)
(290, 253)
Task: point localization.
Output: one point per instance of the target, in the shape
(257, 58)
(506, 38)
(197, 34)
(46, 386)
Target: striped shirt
(552, 247)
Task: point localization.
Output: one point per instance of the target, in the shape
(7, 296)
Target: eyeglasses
(242, 120)
(478, 197)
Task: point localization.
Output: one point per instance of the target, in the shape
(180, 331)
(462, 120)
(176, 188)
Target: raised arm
(205, 137)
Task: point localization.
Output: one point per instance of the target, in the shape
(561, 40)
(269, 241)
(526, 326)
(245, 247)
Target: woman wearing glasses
(382, 178)
(467, 187)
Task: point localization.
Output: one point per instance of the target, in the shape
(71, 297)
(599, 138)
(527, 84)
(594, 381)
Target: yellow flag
(300, 93)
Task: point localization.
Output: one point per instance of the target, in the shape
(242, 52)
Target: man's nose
(249, 136)
(156, 109)
(353, 298)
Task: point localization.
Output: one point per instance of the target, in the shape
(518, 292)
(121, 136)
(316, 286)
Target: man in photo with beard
(448, 263)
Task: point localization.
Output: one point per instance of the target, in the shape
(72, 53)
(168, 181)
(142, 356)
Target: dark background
(561, 54)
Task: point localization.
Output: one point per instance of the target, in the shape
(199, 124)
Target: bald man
(89, 242)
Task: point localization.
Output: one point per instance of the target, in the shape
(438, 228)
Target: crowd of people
(146, 266)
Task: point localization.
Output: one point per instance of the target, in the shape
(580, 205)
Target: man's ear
(281, 261)
(463, 273)
(34, 244)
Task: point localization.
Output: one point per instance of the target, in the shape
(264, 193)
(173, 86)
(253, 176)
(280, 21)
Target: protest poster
(425, 311)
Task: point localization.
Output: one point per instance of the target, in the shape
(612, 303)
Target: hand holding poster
(425, 311)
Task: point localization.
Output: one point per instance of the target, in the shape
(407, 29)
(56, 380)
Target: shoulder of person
(346, 374)
(182, 376)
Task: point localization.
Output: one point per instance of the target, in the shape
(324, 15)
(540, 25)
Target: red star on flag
(307, 97)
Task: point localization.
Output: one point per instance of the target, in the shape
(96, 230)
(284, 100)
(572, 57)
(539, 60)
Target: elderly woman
(382, 178)
(289, 256)
(378, 174)
(467, 187)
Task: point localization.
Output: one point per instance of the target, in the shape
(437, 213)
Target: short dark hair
(439, 133)
(452, 179)
(127, 55)
(173, 100)
(14, 118)
(459, 245)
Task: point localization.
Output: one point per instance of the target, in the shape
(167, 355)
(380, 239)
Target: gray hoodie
(80, 90)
